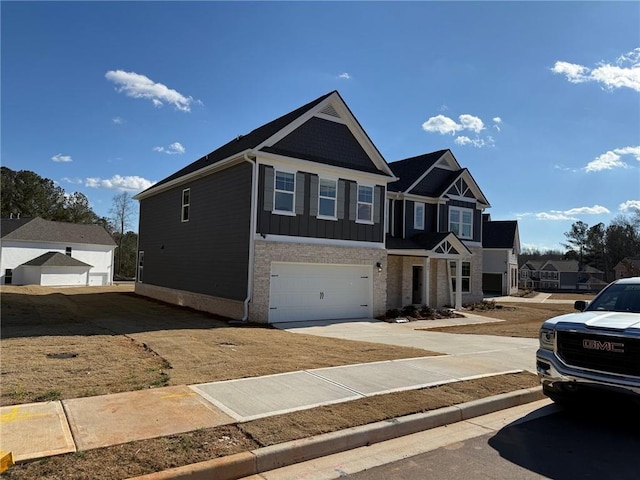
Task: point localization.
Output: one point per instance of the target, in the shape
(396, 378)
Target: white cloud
(469, 122)
(624, 74)
(612, 159)
(344, 76)
(74, 181)
(118, 182)
(497, 120)
(62, 158)
(629, 205)
(117, 120)
(139, 86)
(447, 126)
(476, 142)
(442, 125)
(174, 148)
(571, 214)
(595, 210)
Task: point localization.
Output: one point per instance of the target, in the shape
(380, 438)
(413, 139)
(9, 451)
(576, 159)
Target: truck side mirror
(580, 305)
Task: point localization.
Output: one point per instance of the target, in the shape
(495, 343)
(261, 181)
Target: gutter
(252, 229)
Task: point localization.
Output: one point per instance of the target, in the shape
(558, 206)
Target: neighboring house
(303, 219)
(434, 230)
(285, 223)
(500, 250)
(627, 267)
(43, 252)
(561, 275)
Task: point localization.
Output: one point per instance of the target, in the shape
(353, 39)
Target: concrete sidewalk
(36, 430)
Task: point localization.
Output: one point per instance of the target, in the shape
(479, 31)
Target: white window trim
(461, 210)
(452, 264)
(188, 205)
(416, 217)
(291, 213)
(358, 202)
(335, 199)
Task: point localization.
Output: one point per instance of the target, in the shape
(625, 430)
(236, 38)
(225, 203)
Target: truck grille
(601, 355)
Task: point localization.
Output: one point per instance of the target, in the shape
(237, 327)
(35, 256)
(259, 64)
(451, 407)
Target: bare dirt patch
(521, 319)
(147, 456)
(572, 296)
(75, 342)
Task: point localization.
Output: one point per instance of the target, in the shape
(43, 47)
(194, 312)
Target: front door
(416, 296)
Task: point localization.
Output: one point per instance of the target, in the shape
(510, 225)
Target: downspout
(252, 232)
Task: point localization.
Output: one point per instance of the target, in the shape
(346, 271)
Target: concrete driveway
(514, 353)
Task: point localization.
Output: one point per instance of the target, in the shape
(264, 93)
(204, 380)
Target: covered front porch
(427, 269)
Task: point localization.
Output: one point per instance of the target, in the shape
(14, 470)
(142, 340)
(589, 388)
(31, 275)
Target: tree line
(598, 246)
(26, 194)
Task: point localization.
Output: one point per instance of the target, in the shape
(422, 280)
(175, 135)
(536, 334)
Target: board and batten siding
(477, 217)
(209, 254)
(305, 222)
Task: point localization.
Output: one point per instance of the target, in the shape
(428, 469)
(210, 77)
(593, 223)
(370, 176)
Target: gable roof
(268, 138)
(435, 242)
(55, 259)
(432, 175)
(568, 266)
(499, 233)
(40, 230)
(410, 169)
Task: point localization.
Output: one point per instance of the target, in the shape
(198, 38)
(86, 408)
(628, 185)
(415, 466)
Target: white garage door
(303, 291)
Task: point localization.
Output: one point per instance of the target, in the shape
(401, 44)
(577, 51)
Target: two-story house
(285, 223)
(566, 275)
(500, 250)
(434, 227)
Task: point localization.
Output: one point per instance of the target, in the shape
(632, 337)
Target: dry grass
(119, 341)
(521, 319)
(122, 342)
(146, 456)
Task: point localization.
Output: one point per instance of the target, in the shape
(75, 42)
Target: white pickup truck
(597, 348)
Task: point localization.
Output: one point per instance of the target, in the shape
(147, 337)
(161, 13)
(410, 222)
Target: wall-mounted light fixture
(379, 266)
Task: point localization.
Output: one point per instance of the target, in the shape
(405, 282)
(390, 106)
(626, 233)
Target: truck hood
(600, 320)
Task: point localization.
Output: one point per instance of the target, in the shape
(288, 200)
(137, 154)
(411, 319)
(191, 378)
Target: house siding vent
(329, 110)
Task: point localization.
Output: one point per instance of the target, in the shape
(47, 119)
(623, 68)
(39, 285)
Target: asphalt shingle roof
(55, 259)
(242, 143)
(499, 234)
(39, 230)
(410, 169)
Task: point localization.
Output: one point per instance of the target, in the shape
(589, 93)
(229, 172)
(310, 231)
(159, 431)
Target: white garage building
(34, 251)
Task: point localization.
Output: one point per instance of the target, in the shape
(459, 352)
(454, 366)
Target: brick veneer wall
(266, 252)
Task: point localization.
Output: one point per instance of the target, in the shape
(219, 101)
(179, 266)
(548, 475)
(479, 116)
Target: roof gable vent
(329, 110)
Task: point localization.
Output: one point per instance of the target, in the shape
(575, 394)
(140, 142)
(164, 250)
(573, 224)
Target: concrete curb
(261, 460)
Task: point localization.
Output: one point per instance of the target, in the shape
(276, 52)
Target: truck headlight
(547, 338)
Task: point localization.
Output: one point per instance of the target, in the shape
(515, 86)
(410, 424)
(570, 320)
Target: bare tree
(122, 211)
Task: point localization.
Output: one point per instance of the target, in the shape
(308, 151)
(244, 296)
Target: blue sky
(540, 100)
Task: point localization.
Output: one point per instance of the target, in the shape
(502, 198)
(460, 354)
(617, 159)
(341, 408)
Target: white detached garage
(303, 291)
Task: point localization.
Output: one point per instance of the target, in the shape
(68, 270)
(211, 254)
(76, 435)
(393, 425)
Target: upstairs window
(186, 203)
(327, 198)
(461, 222)
(67, 251)
(285, 185)
(418, 216)
(365, 204)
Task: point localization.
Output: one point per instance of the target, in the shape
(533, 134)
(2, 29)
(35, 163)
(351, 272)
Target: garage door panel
(315, 291)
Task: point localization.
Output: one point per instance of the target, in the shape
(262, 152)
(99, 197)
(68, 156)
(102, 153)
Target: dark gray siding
(327, 142)
(209, 254)
(477, 217)
(307, 225)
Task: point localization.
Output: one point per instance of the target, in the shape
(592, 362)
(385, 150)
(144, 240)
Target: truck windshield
(619, 297)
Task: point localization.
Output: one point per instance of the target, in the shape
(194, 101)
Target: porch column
(426, 272)
(458, 292)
